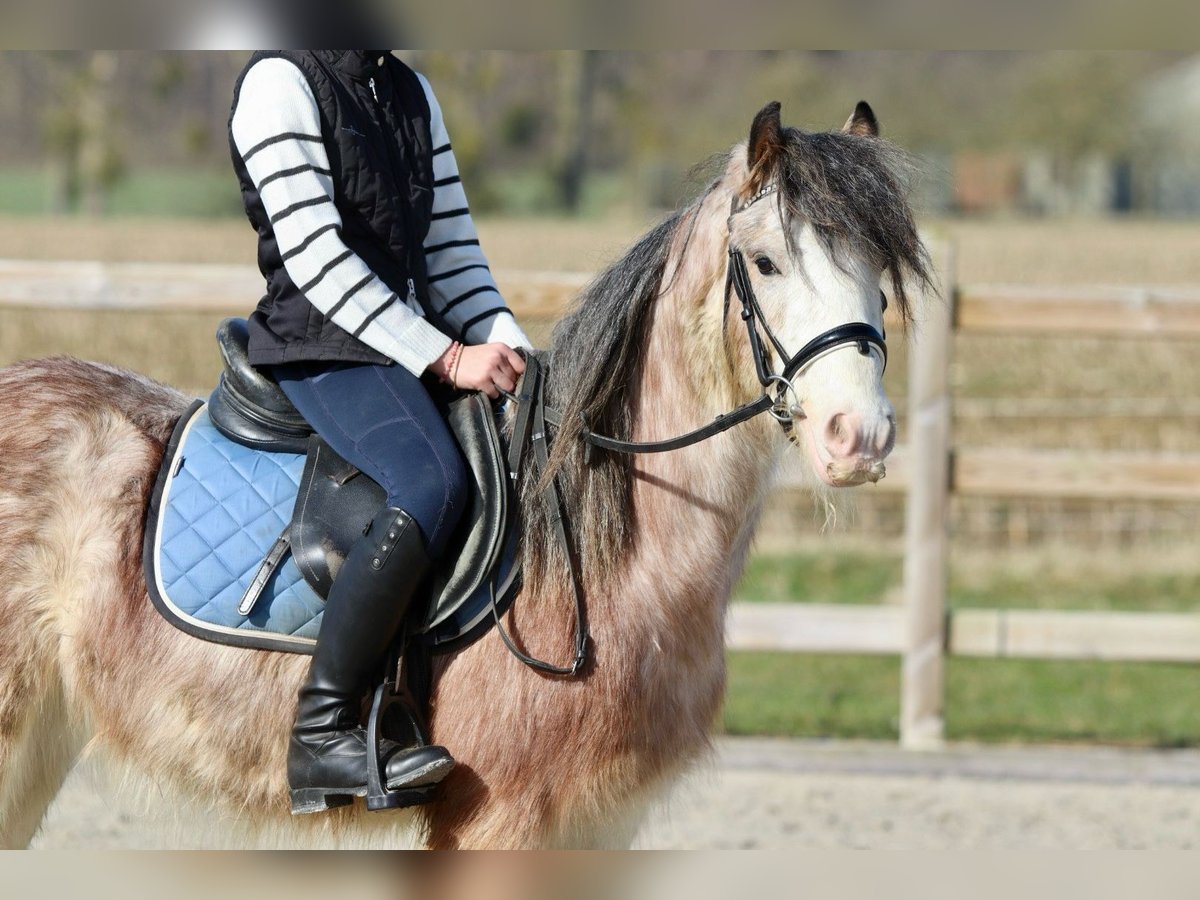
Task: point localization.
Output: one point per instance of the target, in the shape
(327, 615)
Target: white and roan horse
(86, 664)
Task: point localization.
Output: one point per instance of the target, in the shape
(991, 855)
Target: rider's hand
(486, 367)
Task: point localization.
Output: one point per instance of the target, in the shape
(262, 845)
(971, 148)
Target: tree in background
(78, 130)
(578, 71)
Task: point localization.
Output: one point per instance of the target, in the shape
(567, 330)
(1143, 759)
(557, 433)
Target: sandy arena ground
(775, 794)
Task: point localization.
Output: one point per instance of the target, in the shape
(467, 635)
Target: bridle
(534, 420)
(737, 281)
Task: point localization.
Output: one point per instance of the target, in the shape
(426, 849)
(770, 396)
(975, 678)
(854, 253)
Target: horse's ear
(766, 141)
(862, 121)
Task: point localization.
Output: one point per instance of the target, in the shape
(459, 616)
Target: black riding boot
(327, 756)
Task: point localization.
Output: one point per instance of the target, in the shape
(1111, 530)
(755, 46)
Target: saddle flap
(479, 540)
(334, 508)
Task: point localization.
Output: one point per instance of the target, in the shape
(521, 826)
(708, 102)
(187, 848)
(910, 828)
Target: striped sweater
(277, 130)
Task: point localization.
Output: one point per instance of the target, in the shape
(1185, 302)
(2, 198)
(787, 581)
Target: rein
(530, 434)
(533, 417)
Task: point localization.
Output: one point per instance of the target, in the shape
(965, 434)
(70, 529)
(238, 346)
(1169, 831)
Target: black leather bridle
(737, 281)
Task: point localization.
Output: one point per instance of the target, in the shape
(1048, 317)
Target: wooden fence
(929, 470)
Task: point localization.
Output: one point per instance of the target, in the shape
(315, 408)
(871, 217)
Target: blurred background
(604, 133)
(1043, 171)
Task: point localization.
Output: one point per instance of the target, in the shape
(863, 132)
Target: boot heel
(315, 800)
(400, 799)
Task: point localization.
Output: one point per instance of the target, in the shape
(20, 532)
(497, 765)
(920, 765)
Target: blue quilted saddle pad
(218, 508)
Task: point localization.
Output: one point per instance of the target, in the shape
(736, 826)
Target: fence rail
(171, 287)
(1066, 474)
(1097, 311)
(993, 633)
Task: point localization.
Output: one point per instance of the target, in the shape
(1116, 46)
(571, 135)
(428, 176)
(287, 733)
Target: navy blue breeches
(383, 421)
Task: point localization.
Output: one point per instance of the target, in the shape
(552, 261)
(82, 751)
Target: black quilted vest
(380, 154)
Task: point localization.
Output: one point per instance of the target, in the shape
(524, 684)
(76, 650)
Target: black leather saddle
(336, 501)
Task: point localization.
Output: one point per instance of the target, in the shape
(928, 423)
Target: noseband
(737, 281)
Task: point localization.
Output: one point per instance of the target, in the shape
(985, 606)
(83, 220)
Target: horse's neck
(695, 508)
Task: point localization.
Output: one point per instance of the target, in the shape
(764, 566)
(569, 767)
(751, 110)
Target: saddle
(249, 424)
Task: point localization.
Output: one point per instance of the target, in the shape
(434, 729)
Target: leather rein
(530, 425)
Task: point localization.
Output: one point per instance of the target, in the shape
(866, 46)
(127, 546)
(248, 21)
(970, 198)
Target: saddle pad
(218, 508)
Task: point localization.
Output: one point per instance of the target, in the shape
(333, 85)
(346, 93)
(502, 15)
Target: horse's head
(818, 220)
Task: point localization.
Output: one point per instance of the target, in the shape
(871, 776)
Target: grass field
(204, 193)
(991, 581)
(832, 695)
(1143, 704)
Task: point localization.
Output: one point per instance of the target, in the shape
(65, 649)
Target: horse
(654, 346)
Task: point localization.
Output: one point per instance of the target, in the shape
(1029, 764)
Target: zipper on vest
(413, 244)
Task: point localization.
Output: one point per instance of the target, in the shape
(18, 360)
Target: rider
(375, 281)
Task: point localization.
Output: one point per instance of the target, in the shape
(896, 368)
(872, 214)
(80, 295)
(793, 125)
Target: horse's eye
(765, 266)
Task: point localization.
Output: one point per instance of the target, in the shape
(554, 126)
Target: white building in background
(1168, 164)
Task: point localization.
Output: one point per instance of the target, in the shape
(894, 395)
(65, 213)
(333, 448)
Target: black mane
(595, 354)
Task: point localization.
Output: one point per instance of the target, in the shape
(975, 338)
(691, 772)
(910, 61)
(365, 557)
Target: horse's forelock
(853, 190)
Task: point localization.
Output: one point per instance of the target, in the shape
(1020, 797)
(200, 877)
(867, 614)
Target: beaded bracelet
(451, 363)
(454, 371)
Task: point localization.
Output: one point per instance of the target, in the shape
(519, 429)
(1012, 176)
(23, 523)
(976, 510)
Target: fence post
(922, 680)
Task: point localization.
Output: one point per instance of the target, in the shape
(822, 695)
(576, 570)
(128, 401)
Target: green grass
(818, 578)
(1143, 704)
(1139, 591)
(24, 191)
(798, 695)
(148, 192)
(863, 578)
(1150, 704)
(201, 192)
(812, 696)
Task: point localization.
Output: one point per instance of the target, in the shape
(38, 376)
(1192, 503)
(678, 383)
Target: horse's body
(85, 661)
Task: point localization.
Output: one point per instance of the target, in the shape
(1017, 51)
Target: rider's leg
(380, 419)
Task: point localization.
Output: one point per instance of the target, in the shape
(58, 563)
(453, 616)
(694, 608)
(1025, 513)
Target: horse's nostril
(842, 434)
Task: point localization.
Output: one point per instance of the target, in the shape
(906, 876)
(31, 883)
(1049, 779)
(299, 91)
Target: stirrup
(387, 699)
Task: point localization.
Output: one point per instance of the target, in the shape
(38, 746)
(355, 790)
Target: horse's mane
(852, 189)
(594, 357)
